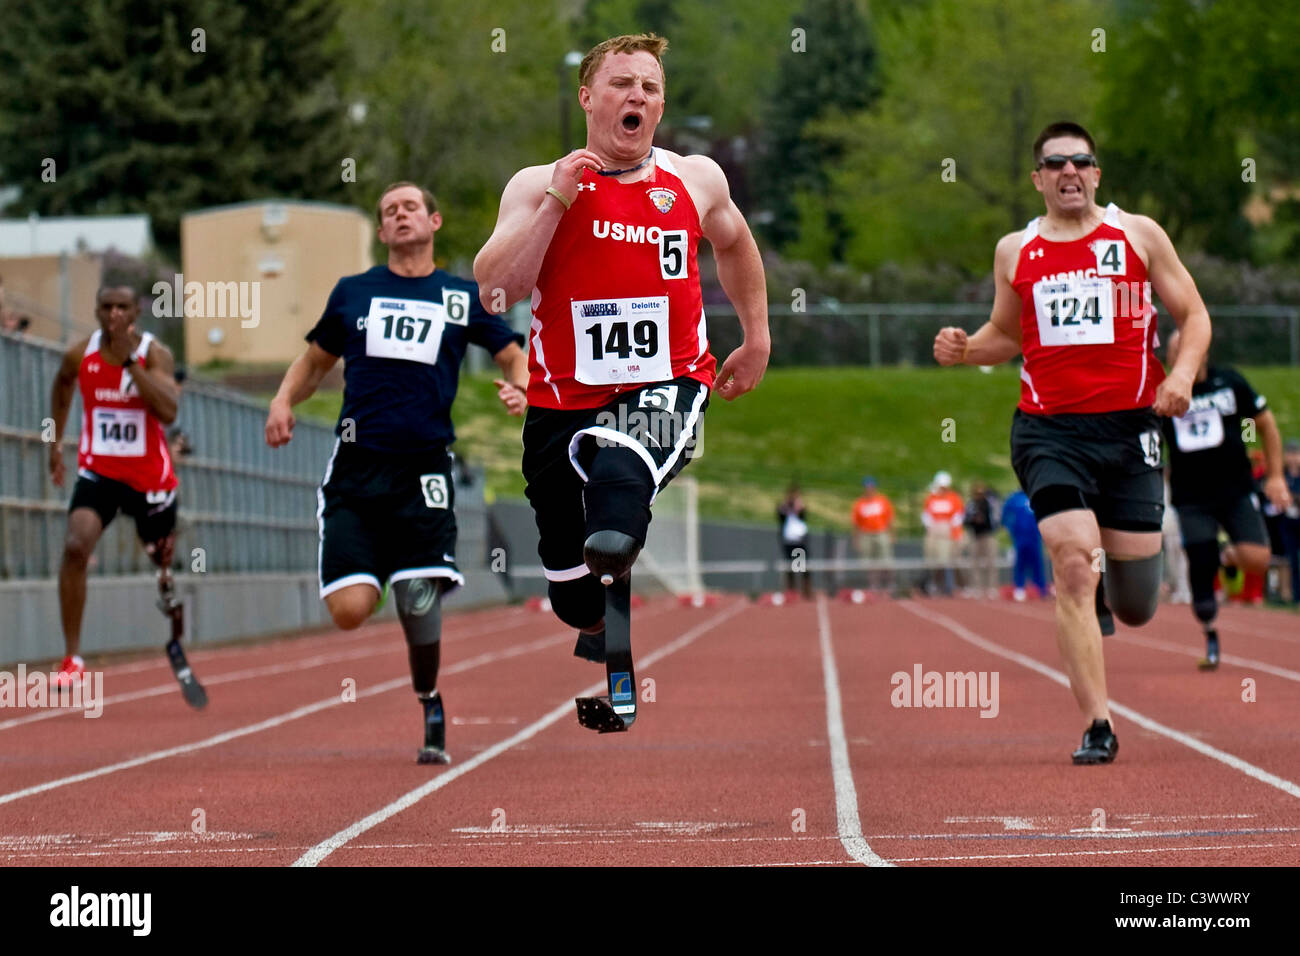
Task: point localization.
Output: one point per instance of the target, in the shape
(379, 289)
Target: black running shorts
(1239, 516)
(660, 422)
(386, 517)
(1112, 458)
(154, 512)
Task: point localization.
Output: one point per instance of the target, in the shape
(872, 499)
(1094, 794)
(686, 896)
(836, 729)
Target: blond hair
(628, 43)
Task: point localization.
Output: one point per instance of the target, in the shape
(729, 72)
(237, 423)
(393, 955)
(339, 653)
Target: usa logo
(662, 198)
(620, 687)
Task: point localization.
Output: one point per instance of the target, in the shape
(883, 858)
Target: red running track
(772, 739)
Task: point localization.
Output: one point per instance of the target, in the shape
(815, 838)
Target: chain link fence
(903, 333)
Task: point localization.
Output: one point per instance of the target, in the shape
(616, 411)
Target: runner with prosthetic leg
(386, 506)
(128, 393)
(604, 241)
(1212, 486)
(1073, 295)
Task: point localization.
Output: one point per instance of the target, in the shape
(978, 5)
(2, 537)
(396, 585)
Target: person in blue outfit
(1018, 518)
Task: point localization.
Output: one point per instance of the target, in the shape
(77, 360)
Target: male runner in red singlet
(128, 395)
(1073, 294)
(604, 240)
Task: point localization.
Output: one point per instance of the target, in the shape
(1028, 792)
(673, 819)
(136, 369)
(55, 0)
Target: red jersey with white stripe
(120, 438)
(617, 303)
(1087, 326)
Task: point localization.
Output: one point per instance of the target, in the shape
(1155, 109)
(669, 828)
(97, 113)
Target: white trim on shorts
(619, 438)
(569, 574)
(442, 571)
(320, 525)
(347, 581)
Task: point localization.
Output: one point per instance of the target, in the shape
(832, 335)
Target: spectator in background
(1290, 524)
(792, 516)
(942, 516)
(873, 531)
(982, 519)
(1019, 520)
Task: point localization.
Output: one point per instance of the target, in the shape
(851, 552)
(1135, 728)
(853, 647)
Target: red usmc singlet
(120, 438)
(617, 302)
(1088, 330)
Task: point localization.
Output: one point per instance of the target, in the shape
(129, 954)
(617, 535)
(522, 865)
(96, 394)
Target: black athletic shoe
(590, 647)
(192, 690)
(435, 732)
(1099, 744)
(1211, 659)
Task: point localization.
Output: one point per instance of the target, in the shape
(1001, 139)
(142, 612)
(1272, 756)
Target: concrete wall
(120, 613)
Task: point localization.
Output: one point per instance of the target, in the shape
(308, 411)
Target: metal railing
(249, 508)
(883, 333)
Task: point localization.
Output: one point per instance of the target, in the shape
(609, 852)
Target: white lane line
(208, 681)
(1157, 644)
(267, 670)
(846, 794)
(317, 635)
(272, 722)
(1066, 853)
(1236, 763)
(316, 854)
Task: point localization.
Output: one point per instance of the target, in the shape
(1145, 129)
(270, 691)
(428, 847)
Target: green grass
(825, 428)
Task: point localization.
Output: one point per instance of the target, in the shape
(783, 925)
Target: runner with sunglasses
(1073, 296)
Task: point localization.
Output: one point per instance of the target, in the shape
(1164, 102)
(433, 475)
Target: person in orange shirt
(942, 516)
(873, 526)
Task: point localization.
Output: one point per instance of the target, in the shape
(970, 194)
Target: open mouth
(631, 122)
(1071, 190)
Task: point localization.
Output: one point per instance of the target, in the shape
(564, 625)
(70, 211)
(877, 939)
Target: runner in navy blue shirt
(386, 502)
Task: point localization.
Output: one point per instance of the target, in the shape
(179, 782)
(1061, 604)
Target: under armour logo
(1037, 253)
(582, 186)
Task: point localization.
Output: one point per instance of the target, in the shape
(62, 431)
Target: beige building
(54, 294)
(255, 276)
(50, 269)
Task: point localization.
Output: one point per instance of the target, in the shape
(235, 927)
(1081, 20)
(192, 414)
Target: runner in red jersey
(1073, 295)
(129, 393)
(637, 242)
(604, 241)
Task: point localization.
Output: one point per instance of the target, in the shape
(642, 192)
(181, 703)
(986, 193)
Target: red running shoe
(70, 672)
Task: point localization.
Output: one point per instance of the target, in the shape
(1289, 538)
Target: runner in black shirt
(1212, 487)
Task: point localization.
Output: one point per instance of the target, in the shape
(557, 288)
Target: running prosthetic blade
(192, 690)
(1211, 659)
(435, 732)
(617, 711)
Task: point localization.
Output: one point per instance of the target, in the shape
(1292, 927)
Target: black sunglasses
(1057, 161)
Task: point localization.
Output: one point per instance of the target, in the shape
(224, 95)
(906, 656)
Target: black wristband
(128, 361)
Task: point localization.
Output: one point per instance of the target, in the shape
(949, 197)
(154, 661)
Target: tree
(1193, 91)
(828, 66)
(148, 106)
(457, 98)
(939, 167)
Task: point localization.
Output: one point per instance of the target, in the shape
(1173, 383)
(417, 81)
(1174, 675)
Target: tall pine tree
(164, 106)
(828, 67)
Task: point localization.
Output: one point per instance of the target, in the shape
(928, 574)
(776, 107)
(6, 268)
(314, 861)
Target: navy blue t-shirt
(402, 341)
